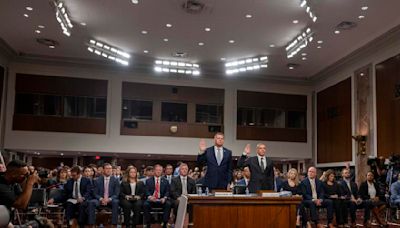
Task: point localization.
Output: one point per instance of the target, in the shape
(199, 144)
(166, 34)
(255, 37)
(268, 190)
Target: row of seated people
(84, 196)
(340, 198)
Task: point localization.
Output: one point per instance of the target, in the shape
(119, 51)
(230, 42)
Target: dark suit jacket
(125, 190)
(346, 191)
(176, 187)
(364, 191)
(259, 180)
(164, 187)
(305, 186)
(113, 188)
(217, 176)
(84, 188)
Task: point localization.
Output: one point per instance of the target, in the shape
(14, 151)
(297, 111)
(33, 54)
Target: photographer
(11, 194)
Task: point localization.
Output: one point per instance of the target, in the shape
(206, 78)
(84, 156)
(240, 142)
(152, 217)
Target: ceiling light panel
(167, 66)
(109, 52)
(247, 64)
(299, 43)
(311, 14)
(63, 18)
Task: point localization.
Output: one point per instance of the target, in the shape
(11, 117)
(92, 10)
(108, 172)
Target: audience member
(333, 192)
(168, 173)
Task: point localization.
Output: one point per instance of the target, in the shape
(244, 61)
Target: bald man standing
(261, 168)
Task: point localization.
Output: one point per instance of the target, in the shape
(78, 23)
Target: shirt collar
(216, 148)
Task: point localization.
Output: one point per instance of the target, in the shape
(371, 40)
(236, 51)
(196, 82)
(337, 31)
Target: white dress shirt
(264, 161)
(133, 188)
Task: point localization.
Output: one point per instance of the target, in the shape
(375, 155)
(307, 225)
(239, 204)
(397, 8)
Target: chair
(180, 217)
(56, 211)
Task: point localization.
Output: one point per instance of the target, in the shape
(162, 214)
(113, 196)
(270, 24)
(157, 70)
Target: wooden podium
(244, 211)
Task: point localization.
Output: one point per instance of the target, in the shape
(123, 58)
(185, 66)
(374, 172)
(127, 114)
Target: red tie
(157, 191)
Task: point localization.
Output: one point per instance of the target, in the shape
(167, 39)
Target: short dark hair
(106, 164)
(76, 169)
(16, 164)
(149, 168)
(169, 165)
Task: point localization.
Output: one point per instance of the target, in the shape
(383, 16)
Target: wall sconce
(173, 129)
(362, 143)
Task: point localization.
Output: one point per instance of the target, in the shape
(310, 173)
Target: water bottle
(199, 191)
(207, 191)
(247, 191)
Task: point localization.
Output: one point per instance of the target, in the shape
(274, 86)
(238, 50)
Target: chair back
(38, 197)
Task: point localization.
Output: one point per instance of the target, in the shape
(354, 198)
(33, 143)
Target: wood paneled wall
(334, 123)
(388, 106)
(37, 84)
(159, 93)
(271, 101)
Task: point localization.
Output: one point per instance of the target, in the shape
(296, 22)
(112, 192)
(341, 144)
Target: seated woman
(371, 196)
(131, 195)
(333, 191)
(292, 185)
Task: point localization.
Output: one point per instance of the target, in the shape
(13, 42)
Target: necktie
(76, 190)
(219, 156)
(157, 190)
(262, 164)
(106, 184)
(313, 190)
(184, 186)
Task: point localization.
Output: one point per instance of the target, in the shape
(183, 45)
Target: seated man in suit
(313, 197)
(350, 190)
(181, 185)
(106, 194)
(157, 194)
(76, 193)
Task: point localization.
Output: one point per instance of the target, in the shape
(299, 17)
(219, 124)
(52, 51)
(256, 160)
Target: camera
(43, 174)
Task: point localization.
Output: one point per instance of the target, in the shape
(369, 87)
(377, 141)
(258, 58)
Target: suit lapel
(256, 163)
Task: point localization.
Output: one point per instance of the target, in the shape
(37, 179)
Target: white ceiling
(119, 23)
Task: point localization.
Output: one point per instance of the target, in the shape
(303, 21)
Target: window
(261, 117)
(137, 110)
(96, 107)
(209, 114)
(75, 106)
(26, 103)
(173, 112)
(35, 104)
(296, 119)
(51, 105)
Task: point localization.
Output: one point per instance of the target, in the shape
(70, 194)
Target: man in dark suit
(168, 173)
(106, 193)
(350, 191)
(313, 197)
(157, 195)
(219, 163)
(76, 193)
(182, 185)
(261, 169)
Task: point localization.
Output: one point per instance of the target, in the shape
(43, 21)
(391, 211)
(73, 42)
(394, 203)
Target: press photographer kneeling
(16, 186)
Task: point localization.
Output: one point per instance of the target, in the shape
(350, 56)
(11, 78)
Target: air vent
(179, 54)
(346, 25)
(193, 6)
(47, 42)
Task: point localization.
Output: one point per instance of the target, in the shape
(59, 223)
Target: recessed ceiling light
(303, 54)
(37, 31)
(223, 59)
(320, 41)
(52, 46)
(361, 17)
(231, 41)
(83, 23)
(144, 32)
(165, 40)
(319, 47)
(337, 31)
(29, 8)
(295, 21)
(26, 15)
(304, 58)
(272, 45)
(201, 44)
(41, 26)
(362, 74)
(207, 29)
(146, 51)
(168, 25)
(364, 8)
(135, 2)
(249, 16)
(291, 68)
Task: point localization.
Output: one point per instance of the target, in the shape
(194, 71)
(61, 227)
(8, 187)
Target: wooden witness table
(243, 211)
